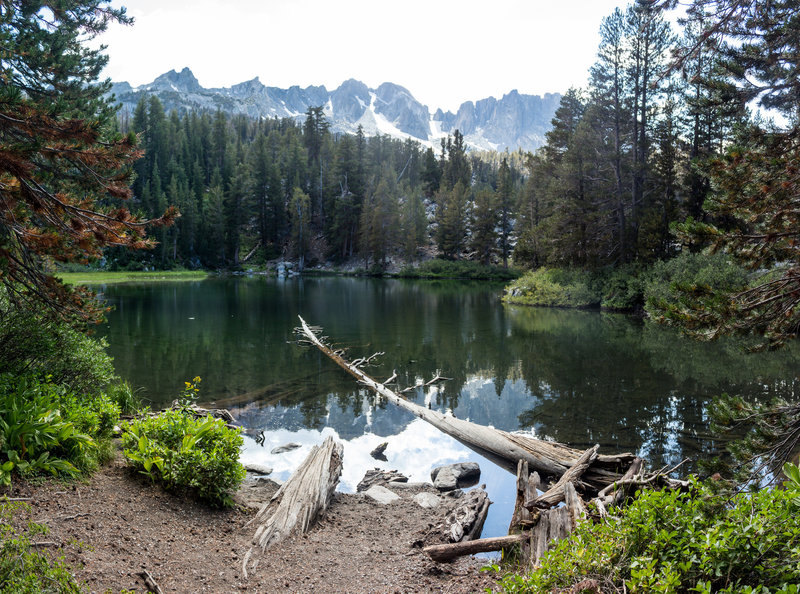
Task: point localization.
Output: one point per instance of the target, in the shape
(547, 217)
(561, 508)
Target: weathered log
(301, 499)
(555, 494)
(503, 448)
(554, 524)
(527, 486)
(465, 522)
(574, 503)
(151, 583)
(448, 552)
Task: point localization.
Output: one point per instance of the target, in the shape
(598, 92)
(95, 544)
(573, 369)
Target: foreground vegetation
(669, 541)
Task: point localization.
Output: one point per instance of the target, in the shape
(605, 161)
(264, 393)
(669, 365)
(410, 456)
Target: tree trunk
(301, 499)
(504, 449)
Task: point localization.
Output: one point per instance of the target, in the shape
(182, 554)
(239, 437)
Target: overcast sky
(444, 52)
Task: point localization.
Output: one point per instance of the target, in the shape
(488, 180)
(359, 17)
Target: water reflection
(573, 376)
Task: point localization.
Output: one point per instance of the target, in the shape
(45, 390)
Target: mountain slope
(515, 121)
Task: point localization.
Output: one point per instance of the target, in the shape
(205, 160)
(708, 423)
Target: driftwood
(553, 525)
(555, 494)
(465, 522)
(151, 583)
(301, 499)
(448, 552)
(501, 447)
(380, 477)
(527, 491)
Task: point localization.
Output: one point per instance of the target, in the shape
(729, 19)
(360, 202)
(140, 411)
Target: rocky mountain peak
(515, 121)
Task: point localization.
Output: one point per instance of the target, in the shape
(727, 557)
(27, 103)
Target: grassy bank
(106, 278)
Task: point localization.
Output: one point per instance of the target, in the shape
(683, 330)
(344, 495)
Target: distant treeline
(621, 164)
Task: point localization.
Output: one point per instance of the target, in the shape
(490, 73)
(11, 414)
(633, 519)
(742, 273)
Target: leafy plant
(39, 432)
(670, 541)
(23, 568)
(184, 453)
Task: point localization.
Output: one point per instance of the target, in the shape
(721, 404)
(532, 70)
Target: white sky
(444, 52)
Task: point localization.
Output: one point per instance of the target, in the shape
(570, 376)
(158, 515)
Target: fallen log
(448, 552)
(301, 499)
(504, 449)
(466, 521)
(556, 494)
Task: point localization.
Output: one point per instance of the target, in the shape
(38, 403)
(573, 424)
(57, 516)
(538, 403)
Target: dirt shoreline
(117, 525)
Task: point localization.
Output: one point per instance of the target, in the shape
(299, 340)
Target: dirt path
(117, 525)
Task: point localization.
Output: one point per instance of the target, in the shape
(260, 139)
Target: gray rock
(257, 468)
(452, 476)
(378, 453)
(381, 494)
(427, 500)
(285, 448)
(377, 476)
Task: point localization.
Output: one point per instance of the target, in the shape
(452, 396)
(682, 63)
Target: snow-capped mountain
(515, 121)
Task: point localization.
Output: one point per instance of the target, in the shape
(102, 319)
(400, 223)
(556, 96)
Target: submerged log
(503, 448)
(301, 499)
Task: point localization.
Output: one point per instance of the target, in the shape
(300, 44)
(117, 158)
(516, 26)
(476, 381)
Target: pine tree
(484, 220)
(451, 218)
(300, 213)
(505, 204)
(61, 161)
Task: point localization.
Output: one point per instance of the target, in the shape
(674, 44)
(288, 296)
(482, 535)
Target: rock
(452, 476)
(381, 494)
(378, 454)
(376, 476)
(427, 500)
(285, 448)
(257, 468)
(445, 479)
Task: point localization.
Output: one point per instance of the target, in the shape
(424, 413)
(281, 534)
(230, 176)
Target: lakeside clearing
(105, 278)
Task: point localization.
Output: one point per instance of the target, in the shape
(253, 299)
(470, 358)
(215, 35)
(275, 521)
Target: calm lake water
(579, 377)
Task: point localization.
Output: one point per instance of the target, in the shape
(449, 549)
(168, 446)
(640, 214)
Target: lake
(578, 377)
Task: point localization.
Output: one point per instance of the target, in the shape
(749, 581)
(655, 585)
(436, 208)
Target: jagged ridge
(515, 121)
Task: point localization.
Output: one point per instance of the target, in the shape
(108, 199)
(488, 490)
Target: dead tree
(300, 500)
(505, 449)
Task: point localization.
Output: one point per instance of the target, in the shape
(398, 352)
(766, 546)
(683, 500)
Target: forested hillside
(623, 161)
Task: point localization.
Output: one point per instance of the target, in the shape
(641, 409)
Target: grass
(106, 278)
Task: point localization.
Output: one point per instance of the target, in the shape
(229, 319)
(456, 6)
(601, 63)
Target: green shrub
(458, 269)
(553, 287)
(44, 428)
(23, 569)
(668, 541)
(673, 284)
(622, 287)
(33, 343)
(200, 456)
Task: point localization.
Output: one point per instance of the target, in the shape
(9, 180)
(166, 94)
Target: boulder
(285, 448)
(454, 476)
(378, 453)
(381, 494)
(257, 468)
(427, 500)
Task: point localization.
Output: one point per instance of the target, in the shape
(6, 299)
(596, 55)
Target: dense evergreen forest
(252, 190)
(622, 162)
